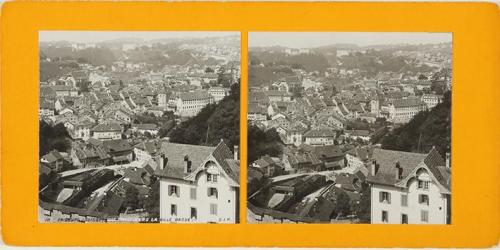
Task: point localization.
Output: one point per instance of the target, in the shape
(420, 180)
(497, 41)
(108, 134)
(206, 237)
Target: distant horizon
(144, 36)
(311, 40)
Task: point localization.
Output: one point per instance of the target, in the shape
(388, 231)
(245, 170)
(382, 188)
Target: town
(136, 130)
(348, 133)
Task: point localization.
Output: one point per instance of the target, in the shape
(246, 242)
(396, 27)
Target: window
(423, 199)
(211, 177)
(385, 197)
(213, 209)
(385, 216)
(404, 200)
(173, 210)
(423, 185)
(404, 219)
(193, 194)
(424, 216)
(212, 192)
(173, 190)
(194, 214)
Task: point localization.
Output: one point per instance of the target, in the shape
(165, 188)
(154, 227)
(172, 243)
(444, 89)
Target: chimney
(399, 169)
(236, 152)
(188, 164)
(374, 168)
(164, 160)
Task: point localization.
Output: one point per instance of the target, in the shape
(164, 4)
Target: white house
(431, 100)
(319, 137)
(256, 113)
(198, 184)
(218, 93)
(190, 103)
(409, 188)
(107, 131)
(403, 110)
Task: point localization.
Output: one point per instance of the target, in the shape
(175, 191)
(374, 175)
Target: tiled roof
(177, 153)
(358, 132)
(328, 151)
(117, 145)
(278, 93)
(195, 95)
(145, 126)
(320, 133)
(105, 127)
(53, 156)
(254, 108)
(387, 159)
(410, 102)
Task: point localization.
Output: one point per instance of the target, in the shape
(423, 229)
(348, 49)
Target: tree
(152, 205)
(132, 197)
(213, 123)
(209, 70)
(363, 210)
(425, 130)
(343, 204)
(51, 138)
(263, 143)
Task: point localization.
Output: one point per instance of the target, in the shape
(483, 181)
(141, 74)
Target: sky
(100, 36)
(317, 39)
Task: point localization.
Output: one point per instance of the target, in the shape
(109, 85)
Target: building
(403, 110)
(267, 165)
(319, 137)
(256, 113)
(430, 100)
(54, 160)
(64, 90)
(190, 103)
(409, 188)
(81, 131)
(218, 93)
(109, 131)
(198, 184)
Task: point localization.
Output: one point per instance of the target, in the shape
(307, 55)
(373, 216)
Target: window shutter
(389, 198)
(380, 196)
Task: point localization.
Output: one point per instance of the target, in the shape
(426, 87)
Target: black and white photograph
(349, 127)
(139, 127)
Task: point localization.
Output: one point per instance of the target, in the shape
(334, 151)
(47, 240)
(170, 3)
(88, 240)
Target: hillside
(221, 120)
(430, 128)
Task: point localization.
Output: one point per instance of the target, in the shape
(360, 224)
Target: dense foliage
(363, 210)
(213, 123)
(53, 137)
(262, 142)
(427, 129)
(152, 203)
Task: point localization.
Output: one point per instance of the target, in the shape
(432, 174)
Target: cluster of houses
(116, 159)
(326, 123)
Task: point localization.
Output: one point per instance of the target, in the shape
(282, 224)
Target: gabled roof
(105, 127)
(145, 126)
(387, 160)
(254, 108)
(320, 133)
(53, 156)
(409, 102)
(195, 95)
(177, 154)
(117, 145)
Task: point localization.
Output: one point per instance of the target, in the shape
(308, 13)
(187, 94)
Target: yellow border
(476, 89)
